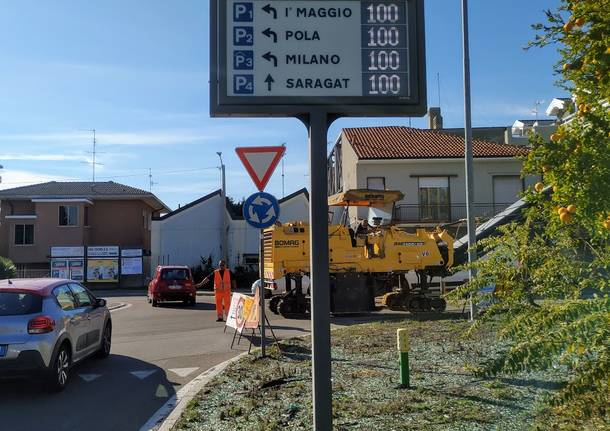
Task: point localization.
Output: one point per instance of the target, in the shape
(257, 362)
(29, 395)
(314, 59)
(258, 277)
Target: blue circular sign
(261, 210)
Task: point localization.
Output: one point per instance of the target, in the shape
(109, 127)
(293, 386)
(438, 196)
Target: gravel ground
(275, 393)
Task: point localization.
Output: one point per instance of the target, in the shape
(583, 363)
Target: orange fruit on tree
(566, 217)
(562, 210)
(571, 208)
(568, 26)
(579, 22)
(539, 187)
(556, 137)
(566, 67)
(606, 224)
(546, 168)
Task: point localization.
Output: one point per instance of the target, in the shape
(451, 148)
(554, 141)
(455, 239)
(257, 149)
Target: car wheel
(59, 373)
(192, 302)
(106, 344)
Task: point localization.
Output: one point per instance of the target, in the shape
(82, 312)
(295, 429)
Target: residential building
(428, 167)
(36, 218)
(193, 231)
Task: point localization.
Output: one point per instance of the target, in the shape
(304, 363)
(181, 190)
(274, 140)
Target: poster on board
(103, 270)
(131, 265)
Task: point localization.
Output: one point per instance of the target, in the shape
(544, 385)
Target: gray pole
(472, 256)
(262, 290)
(223, 210)
(320, 296)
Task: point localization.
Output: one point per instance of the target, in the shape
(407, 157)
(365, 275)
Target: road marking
(183, 372)
(142, 374)
(161, 392)
(89, 377)
(124, 307)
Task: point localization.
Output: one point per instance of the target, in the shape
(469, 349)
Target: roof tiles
(399, 142)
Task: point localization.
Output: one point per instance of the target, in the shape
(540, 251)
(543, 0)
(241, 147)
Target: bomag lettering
(323, 12)
(310, 83)
(287, 243)
(312, 59)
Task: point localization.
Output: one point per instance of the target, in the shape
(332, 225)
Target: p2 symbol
(243, 36)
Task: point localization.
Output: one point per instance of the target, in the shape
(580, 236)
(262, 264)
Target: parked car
(48, 325)
(172, 283)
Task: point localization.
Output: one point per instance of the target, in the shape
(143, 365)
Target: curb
(168, 414)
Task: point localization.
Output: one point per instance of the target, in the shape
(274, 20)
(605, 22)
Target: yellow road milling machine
(364, 264)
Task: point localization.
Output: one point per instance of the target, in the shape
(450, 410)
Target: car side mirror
(100, 302)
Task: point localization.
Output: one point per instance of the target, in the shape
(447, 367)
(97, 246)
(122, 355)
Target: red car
(172, 283)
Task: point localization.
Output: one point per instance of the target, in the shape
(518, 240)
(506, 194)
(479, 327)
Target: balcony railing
(444, 213)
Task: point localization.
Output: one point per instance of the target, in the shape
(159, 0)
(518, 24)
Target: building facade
(34, 219)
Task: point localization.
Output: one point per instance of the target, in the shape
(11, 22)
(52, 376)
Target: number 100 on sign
(385, 54)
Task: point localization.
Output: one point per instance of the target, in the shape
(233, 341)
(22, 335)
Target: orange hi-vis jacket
(222, 284)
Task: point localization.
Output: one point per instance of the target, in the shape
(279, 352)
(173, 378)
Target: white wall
(184, 237)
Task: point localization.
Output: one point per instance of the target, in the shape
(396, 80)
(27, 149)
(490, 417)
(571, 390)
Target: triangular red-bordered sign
(260, 162)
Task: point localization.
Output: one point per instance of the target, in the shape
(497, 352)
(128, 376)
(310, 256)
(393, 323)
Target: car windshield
(175, 274)
(16, 304)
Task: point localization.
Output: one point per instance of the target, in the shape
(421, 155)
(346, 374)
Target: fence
(445, 213)
(32, 273)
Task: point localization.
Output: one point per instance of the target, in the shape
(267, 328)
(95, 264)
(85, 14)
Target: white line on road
(123, 307)
(89, 377)
(183, 372)
(142, 374)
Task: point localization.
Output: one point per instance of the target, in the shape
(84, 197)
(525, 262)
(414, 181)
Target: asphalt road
(155, 351)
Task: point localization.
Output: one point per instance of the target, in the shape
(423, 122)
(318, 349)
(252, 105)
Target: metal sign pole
(261, 291)
(320, 296)
(472, 256)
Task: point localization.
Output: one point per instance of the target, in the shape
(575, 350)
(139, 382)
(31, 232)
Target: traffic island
(444, 394)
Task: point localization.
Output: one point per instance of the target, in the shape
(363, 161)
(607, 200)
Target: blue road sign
(261, 210)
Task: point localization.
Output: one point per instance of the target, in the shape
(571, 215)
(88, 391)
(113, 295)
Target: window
(68, 215)
(434, 198)
(82, 296)
(24, 234)
(19, 304)
(64, 297)
(175, 274)
(375, 183)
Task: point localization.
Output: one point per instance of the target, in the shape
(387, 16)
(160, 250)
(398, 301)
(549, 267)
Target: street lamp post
(223, 196)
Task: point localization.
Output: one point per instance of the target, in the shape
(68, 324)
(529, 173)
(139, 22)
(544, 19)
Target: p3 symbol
(243, 84)
(243, 60)
(243, 36)
(243, 12)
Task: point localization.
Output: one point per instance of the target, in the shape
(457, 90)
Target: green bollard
(402, 337)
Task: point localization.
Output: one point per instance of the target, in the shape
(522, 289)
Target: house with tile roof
(428, 167)
(73, 216)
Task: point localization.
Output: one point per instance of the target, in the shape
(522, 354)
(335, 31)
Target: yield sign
(260, 162)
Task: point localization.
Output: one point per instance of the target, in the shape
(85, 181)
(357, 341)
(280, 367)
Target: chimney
(435, 120)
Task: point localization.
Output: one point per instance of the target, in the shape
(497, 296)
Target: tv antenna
(151, 183)
(93, 153)
(536, 108)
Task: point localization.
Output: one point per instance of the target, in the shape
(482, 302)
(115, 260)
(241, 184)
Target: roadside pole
(468, 157)
(320, 297)
(261, 291)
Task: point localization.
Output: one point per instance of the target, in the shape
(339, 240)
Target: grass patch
(446, 393)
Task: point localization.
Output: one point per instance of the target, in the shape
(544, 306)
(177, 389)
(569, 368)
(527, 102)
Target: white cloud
(14, 178)
(43, 157)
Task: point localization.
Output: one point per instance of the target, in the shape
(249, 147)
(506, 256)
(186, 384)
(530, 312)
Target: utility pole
(468, 157)
(223, 209)
(151, 183)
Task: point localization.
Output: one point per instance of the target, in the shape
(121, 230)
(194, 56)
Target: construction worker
(223, 281)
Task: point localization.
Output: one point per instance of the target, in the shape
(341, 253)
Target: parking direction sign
(346, 57)
(261, 210)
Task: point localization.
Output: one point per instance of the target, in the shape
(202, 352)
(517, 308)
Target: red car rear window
(175, 274)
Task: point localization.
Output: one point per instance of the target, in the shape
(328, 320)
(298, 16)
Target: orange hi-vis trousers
(223, 299)
(222, 292)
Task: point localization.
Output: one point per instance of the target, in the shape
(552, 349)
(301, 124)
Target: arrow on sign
(270, 9)
(260, 162)
(269, 80)
(270, 214)
(270, 33)
(270, 57)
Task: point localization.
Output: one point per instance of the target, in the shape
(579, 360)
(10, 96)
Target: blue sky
(137, 72)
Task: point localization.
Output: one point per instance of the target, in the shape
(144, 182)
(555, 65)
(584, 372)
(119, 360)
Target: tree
(7, 268)
(551, 272)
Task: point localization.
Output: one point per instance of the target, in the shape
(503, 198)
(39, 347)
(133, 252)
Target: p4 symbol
(243, 84)
(243, 60)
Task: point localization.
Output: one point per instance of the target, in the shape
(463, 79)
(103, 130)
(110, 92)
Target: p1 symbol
(243, 12)
(243, 60)
(243, 36)
(243, 84)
